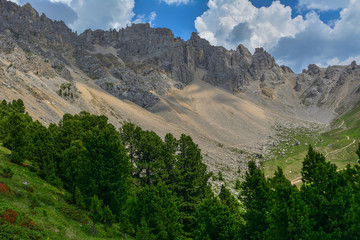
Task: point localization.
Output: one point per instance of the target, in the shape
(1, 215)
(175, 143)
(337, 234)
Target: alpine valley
(236, 105)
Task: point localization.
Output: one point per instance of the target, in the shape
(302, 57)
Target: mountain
(227, 100)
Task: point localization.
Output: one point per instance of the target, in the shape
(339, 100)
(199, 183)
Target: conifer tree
(254, 197)
(96, 212)
(109, 217)
(79, 200)
(191, 180)
(325, 192)
(214, 221)
(288, 214)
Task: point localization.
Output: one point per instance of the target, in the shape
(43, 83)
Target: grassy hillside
(338, 144)
(39, 210)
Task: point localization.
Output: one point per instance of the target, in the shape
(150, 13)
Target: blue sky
(296, 32)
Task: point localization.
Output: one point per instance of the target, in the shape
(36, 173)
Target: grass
(47, 206)
(337, 144)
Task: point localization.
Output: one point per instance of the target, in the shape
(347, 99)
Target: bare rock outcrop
(140, 63)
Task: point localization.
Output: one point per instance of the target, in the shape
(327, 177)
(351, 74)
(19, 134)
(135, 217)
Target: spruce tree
(191, 180)
(79, 200)
(326, 193)
(109, 217)
(214, 221)
(96, 212)
(254, 197)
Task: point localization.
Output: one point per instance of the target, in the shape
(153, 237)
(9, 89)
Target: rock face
(334, 87)
(142, 64)
(141, 46)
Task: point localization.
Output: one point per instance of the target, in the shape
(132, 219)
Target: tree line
(156, 188)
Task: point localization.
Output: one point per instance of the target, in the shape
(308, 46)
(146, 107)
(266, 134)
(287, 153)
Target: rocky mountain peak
(141, 63)
(313, 69)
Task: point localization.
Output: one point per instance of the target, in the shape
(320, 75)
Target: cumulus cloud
(318, 43)
(296, 42)
(176, 2)
(97, 14)
(229, 23)
(83, 14)
(56, 9)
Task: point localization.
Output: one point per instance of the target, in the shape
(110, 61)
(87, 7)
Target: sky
(296, 32)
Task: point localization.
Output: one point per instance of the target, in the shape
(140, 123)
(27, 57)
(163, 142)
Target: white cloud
(225, 22)
(141, 18)
(83, 14)
(152, 16)
(67, 2)
(324, 5)
(97, 14)
(296, 42)
(176, 2)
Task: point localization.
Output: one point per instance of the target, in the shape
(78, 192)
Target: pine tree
(254, 197)
(79, 200)
(13, 131)
(227, 199)
(156, 208)
(288, 215)
(72, 166)
(96, 212)
(191, 180)
(109, 217)
(214, 221)
(326, 193)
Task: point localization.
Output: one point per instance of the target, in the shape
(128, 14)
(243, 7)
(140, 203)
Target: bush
(7, 173)
(4, 188)
(14, 225)
(220, 176)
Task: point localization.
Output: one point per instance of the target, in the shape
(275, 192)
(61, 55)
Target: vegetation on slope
(84, 179)
(338, 145)
(27, 197)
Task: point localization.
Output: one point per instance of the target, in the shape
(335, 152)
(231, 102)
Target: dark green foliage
(154, 211)
(237, 184)
(227, 199)
(254, 196)
(191, 180)
(159, 189)
(220, 176)
(143, 232)
(96, 212)
(92, 158)
(41, 151)
(358, 151)
(79, 200)
(13, 128)
(326, 193)
(215, 221)
(288, 215)
(109, 217)
(7, 173)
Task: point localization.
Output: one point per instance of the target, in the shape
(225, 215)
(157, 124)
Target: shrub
(7, 173)
(220, 176)
(14, 225)
(4, 188)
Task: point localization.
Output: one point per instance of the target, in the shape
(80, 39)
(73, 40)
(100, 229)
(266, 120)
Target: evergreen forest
(148, 187)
